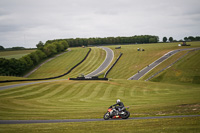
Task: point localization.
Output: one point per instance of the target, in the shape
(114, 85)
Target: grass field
(186, 70)
(14, 54)
(65, 62)
(61, 64)
(89, 99)
(132, 61)
(93, 61)
(180, 125)
(163, 64)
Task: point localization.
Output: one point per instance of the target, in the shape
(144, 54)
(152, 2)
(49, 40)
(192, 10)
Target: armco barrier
(113, 65)
(50, 77)
(93, 78)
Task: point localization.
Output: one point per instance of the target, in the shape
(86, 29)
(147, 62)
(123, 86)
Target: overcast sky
(26, 22)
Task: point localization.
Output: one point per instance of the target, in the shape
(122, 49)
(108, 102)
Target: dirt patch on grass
(193, 107)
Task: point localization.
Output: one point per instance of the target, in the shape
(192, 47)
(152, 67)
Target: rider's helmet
(118, 100)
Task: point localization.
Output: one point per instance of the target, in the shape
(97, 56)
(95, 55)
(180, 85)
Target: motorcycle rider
(119, 105)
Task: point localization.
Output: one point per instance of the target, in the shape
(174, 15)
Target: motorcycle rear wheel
(125, 115)
(106, 116)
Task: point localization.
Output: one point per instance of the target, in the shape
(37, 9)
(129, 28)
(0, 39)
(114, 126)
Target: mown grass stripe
(34, 92)
(20, 91)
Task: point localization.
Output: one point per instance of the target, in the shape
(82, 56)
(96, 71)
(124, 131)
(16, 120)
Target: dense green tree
(2, 48)
(59, 46)
(191, 38)
(164, 39)
(40, 54)
(3, 66)
(65, 44)
(50, 49)
(185, 39)
(171, 39)
(152, 40)
(197, 38)
(28, 60)
(34, 57)
(23, 65)
(40, 45)
(18, 48)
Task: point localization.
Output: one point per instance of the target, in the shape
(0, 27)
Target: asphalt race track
(30, 83)
(105, 64)
(141, 73)
(87, 120)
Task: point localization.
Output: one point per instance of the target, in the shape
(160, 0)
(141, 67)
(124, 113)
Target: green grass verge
(61, 64)
(14, 54)
(93, 61)
(90, 99)
(132, 60)
(187, 70)
(165, 63)
(65, 62)
(180, 125)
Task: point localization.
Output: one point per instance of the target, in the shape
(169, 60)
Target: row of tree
(190, 38)
(18, 67)
(110, 40)
(13, 48)
(170, 39)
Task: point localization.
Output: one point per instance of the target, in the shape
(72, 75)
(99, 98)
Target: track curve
(105, 64)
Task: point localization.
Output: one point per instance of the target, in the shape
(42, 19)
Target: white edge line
(104, 61)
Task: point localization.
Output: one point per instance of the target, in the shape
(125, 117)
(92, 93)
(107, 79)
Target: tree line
(110, 40)
(14, 48)
(190, 38)
(18, 67)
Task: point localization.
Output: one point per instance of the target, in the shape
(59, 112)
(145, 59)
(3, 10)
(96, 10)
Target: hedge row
(50, 77)
(110, 40)
(18, 67)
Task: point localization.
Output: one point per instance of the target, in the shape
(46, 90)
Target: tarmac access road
(141, 73)
(87, 120)
(104, 65)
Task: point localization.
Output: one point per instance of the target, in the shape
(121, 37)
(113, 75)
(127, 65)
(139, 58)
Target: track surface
(105, 64)
(141, 73)
(30, 83)
(86, 120)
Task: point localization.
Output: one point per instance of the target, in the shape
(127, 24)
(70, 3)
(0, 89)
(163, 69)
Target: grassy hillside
(132, 60)
(14, 54)
(66, 61)
(93, 61)
(187, 70)
(165, 63)
(61, 64)
(89, 99)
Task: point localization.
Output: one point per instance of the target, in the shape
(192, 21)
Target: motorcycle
(113, 113)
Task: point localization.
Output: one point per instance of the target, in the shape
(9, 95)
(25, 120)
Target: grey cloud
(28, 22)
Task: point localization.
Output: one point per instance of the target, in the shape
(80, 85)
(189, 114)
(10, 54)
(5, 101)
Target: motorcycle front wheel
(106, 116)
